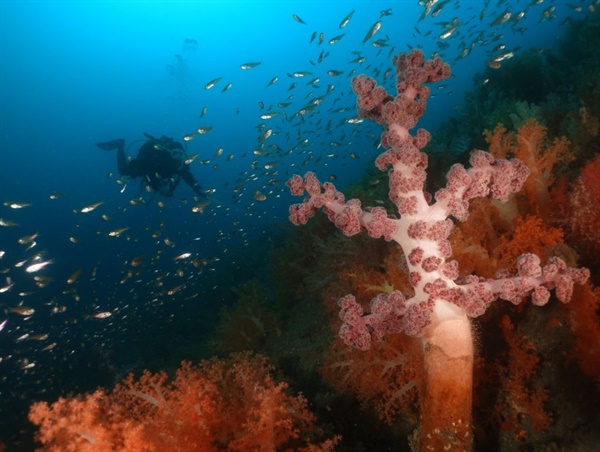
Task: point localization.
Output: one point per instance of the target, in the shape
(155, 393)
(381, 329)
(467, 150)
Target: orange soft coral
(473, 240)
(477, 253)
(367, 282)
(87, 423)
(583, 222)
(585, 323)
(386, 377)
(531, 145)
(233, 405)
(521, 405)
(530, 235)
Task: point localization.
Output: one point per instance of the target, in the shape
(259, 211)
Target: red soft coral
(522, 400)
(234, 405)
(530, 235)
(585, 323)
(583, 221)
(87, 423)
(387, 377)
(531, 145)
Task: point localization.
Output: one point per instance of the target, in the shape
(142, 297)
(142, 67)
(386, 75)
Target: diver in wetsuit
(160, 163)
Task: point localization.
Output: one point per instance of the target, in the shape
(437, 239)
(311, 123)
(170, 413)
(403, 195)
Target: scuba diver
(160, 163)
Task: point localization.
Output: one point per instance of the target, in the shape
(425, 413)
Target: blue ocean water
(74, 73)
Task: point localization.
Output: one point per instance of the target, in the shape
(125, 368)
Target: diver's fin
(150, 137)
(111, 145)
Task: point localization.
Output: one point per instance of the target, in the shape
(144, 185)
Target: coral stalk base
(448, 387)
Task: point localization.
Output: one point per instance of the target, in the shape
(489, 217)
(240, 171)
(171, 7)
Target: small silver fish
(267, 133)
(374, 29)
(449, 32)
(101, 315)
(91, 207)
(273, 80)
(297, 19)
(199, 208)
(259, 196)
(501, 18)
(37, 267)
(21, 310)
(191, 158)
(137, 261)
(336, 39)
(249, 65)
(190, 136)
(118, 232)
(7, 223)
(346, 19)
(212, 83)
(175, 289)
(17, 205)
(28, 239)
(73, 278)
(355, 120)
(438, 8)
(503, 56)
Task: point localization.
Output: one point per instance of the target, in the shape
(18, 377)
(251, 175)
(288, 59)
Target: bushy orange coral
(531, 235)
(234, 405)
(583, 222)
(385, 378)
(584, 321)
(87, 423)
(480, 247)
(531, 145)
(473, 240)
(368, 282)
(521, 405)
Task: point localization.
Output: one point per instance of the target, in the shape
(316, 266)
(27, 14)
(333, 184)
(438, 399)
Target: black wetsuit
(159, 169)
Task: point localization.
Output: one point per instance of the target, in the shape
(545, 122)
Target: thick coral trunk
(447, 393)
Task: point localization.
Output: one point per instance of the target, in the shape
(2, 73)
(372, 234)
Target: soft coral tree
(442, 303)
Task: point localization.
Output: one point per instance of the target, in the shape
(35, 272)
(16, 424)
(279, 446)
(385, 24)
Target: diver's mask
(178, 156)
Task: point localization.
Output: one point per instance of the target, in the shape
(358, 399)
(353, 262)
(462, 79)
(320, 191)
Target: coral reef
(234, 405)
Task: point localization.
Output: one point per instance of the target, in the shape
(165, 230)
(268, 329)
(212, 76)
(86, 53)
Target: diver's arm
(125, 167)
(189, 179)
